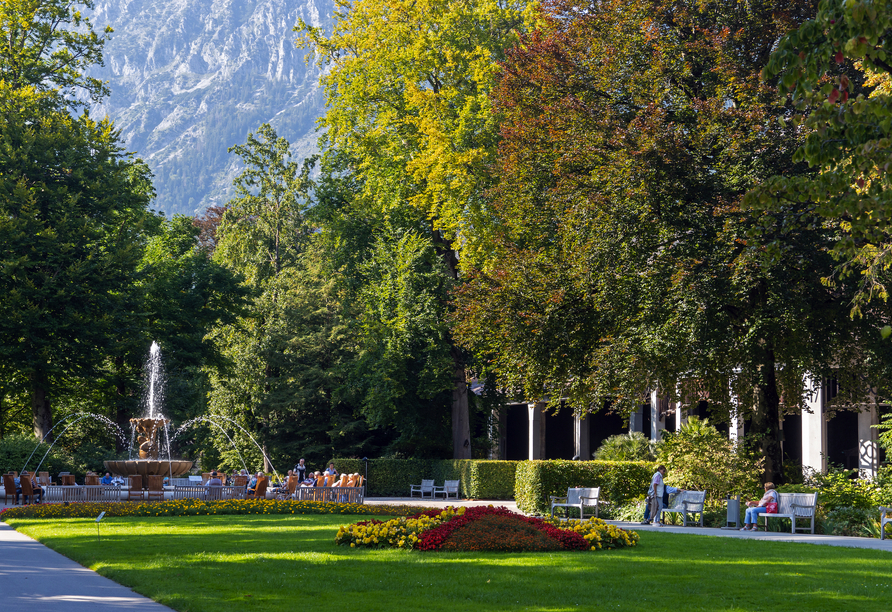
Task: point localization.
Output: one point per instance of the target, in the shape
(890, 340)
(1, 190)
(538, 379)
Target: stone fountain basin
(148, 467)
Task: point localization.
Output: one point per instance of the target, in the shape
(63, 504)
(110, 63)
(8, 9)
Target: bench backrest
(451, 486)
(694, 499)
(427, 485)
(575, 494)
(785, 503)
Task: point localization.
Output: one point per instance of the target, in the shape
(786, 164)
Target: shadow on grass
(289, 562)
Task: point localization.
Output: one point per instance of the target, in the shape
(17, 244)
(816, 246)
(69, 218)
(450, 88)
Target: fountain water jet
(148, 429)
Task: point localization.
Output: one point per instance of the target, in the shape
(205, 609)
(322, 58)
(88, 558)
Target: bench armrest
(584, 498)
(809, 508)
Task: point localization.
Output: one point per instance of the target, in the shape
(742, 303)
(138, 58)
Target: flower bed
(484, 528)
(197, 507)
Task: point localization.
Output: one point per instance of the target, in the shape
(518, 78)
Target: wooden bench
(684, 503)
(885, 518)
(580, 498)
(450, 487)
(794, 506)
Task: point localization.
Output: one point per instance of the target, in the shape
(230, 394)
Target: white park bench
(884, 519)
(579, 498)
(794, 506)
(450, 487)
(684, 503)
(426, 486)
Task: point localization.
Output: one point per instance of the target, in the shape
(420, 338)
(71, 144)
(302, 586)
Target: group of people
(658, 497)
(37, 490)
(306, 478)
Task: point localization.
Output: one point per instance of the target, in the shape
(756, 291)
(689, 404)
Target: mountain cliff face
(190, 78)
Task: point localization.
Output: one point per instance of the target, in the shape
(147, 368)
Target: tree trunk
(40, 407)
(461, 422)
(766, 421)
(461, 427)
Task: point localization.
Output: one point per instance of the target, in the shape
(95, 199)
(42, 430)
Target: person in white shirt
(655, 494)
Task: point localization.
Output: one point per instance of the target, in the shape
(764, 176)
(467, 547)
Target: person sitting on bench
(768, 504)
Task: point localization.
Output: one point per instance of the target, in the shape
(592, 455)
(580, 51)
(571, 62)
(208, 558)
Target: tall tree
(408, 92)
(71, 203)
(262, 237)
(623, 258)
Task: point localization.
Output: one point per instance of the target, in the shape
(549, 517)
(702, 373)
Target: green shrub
(848, 521)
(16, 448)
(480, 479)
(632, 446)
(630, 511)
(537, 481)
(701, 458)
(840, 488)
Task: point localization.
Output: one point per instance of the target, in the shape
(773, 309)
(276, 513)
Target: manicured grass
(271, 563)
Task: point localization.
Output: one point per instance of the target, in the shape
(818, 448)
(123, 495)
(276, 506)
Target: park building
(824, 434)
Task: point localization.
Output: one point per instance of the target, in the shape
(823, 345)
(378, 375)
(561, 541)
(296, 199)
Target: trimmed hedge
(480, 479)
(620, 481)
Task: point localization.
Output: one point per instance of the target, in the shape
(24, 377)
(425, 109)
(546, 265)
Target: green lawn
(270, 563)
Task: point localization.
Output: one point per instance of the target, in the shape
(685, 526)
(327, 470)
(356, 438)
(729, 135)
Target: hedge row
(620, 481)
(480, 479)
(530, 483)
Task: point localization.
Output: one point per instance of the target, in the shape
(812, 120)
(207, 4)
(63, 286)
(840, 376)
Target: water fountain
(151, 432)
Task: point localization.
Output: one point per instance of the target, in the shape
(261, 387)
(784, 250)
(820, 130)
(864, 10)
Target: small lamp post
(366, 459)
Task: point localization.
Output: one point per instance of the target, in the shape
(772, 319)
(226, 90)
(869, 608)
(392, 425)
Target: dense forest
(563, 200)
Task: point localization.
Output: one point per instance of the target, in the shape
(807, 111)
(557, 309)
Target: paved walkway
(33, 577)
(769, 536)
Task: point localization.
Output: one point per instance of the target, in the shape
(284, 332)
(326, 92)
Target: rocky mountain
(190, 78)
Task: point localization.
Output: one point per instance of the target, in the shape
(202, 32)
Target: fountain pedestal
(148, 464)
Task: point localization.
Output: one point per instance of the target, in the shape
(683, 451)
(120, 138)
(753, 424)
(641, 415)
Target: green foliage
(851, 522)
(408, 100)
(48, 46)
(15, 449)
(480, 479)
(72, 208)
(836, 71)
(701, 458)
(840, 488)
(632, 446)
(537, 481)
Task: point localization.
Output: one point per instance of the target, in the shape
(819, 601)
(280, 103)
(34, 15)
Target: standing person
(301, 470)
(668, 490)
(767, 504)
(331, 471)
(655, 494)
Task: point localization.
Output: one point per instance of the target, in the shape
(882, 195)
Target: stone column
(656, 424)
(814, 428)
(636, 421)
(582, 438)
(679, 411)
(868, 452)
(537, 430)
